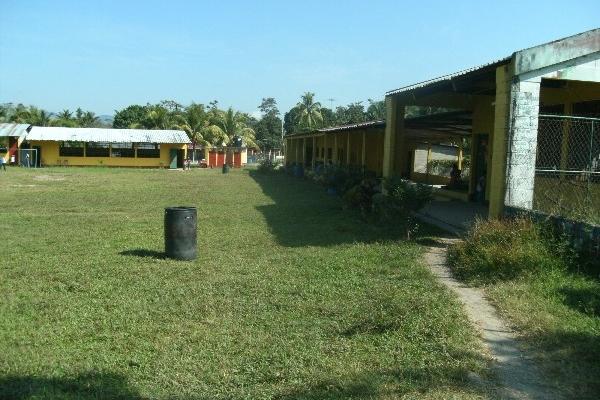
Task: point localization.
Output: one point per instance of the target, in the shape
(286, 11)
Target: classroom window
(122, 150)
(148, 150)
(97, 149)
(70, 149)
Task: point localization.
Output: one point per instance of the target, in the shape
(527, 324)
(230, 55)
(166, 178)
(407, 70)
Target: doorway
(479, 169)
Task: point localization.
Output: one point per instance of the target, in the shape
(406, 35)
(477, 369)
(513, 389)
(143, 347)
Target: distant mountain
(106, 119)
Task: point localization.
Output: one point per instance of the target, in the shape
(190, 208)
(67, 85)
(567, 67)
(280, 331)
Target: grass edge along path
(545, 291)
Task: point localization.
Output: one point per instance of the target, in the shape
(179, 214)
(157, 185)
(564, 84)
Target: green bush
(506, 249)
(360, 196)
(401, 200)
(266, 165)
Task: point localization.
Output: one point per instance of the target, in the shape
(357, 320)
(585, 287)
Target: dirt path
(519, 377)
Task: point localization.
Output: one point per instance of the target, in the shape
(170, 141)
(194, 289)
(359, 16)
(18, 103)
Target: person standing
(27, 161)
(2, 163)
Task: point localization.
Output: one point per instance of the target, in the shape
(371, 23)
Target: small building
(236, 157)
(11, 137)
(107, 147)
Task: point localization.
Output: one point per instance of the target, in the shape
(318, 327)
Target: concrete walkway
(519, 377)
(452, 215)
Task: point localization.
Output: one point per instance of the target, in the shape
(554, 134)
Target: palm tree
(309, 111)
(39, 117)
(376, 110)
(65, 115)
(232, 127)
(196, 123)
(88, 119)
(159, 118)
(233, 124)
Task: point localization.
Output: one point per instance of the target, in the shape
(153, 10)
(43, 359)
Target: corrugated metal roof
(107, 135)
(359, 125)
(17, 130)
(448, 77)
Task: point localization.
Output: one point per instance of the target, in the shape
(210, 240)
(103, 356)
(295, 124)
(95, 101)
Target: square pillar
(348, 149)
(394, 132)
(335, 150)
(314, 153)
(522, 144)
(364, 150)
(303, 152)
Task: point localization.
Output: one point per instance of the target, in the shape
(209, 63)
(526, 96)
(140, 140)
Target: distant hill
(106, 120)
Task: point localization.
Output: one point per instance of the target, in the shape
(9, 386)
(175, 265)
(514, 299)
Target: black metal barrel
(180, 233)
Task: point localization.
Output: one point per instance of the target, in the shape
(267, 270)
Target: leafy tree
(268, 128)
(134, 115)
(329, 117)
(351, 114)
(290, 121)
(376, 110)
(171, 106)
(309, 112)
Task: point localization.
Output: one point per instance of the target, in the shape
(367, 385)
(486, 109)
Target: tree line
(209, 125)
(309, 114)
(21, 114)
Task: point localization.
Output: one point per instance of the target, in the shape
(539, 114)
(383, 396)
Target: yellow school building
(522, 119)
(59, 146)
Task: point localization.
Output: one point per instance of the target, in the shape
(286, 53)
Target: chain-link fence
(567, 174)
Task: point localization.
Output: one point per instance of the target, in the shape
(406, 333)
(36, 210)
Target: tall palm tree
(88, 119)
(309, 112)
(196, 123)
(39, 117)
(159, 118)
(65, 115)
(233, 124)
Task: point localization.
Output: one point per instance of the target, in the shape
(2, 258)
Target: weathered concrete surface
(518, 377)
(522, 145)
(454, 216)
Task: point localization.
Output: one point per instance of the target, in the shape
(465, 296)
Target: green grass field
(290, 297)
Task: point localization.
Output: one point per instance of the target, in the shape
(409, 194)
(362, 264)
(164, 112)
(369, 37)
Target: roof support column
(303, 152)
(364, 150)
(394, 132)
(522, 146)
(348, 149)
(335, 149)
(296, 155)
(314, 153)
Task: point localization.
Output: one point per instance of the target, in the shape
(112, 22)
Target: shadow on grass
(84, 386)
(144, 253)
(573, 358)
(393, 383)
(303, 214)
(584, 300)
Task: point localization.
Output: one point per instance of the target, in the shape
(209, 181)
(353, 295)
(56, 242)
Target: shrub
(266, 165)
(360, 196)
(506, 249)
(402, 199)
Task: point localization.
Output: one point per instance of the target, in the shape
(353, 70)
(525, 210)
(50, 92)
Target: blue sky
(104, 55)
